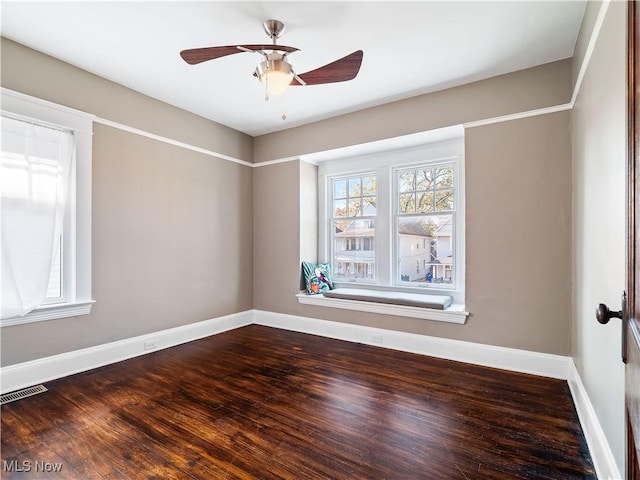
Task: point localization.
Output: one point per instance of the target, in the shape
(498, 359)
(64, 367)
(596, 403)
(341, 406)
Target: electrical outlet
(151, 344)
(375, 338)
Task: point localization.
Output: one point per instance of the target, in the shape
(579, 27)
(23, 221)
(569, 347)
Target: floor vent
(27, 392)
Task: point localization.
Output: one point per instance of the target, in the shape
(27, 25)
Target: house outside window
(352, 222)
(425, 208)
(403, 211)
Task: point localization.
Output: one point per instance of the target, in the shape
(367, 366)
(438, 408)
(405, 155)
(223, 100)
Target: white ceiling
(410, 48)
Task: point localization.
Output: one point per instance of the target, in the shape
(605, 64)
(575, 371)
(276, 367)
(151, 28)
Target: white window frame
(384, 158)
(458, 286)
(76, 251)
(357, 241)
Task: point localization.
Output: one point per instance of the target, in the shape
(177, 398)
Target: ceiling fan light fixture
(275, 75)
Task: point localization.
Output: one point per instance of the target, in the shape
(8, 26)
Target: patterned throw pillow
(317, 278)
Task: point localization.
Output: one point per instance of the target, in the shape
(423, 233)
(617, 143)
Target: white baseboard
(601, 453)
(22, 375)
(544, 364)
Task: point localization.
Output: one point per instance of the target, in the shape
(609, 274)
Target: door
(631, 330)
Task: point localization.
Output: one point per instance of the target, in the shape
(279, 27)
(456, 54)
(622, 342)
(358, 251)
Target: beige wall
(28, 71)
(518, 198)
(276, 235)
(599, 178)
(172, 229)
(518, 226)
(518, 233)
(540, 87)
(308, 214)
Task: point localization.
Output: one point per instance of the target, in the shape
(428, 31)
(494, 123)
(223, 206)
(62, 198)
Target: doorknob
(603, 314)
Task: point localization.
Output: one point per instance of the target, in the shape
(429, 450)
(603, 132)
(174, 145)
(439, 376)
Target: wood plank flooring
(264, 403)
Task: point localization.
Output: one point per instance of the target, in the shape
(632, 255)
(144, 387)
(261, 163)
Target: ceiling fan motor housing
(274, 62)
(275, 73)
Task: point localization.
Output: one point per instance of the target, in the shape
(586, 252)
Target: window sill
(51, 312)
(454, 314)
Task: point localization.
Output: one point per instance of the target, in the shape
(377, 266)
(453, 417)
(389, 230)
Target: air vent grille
(27, 392)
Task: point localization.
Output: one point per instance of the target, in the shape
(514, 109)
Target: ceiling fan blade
(339, 71)
(199, 55)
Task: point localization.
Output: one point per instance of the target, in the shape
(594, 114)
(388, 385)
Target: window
(46, 185)
(34, 175)
(393, 219)
(425, 209)
(353, 211)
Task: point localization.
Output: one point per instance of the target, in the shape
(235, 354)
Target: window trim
(77, 245)
(384, 157)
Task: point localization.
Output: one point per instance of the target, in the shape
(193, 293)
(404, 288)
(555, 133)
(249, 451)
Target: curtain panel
(34, 177)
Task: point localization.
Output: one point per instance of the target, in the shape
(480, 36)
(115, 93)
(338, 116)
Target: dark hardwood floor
(265, 403)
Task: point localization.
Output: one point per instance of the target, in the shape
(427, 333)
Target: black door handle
(603, 314)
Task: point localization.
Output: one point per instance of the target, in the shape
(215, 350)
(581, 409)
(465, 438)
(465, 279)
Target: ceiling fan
(274, 71)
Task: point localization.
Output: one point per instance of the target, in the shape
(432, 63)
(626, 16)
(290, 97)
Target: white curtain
(34, 172)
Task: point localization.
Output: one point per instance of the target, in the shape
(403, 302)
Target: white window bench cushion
(372, 301)
(437, 302)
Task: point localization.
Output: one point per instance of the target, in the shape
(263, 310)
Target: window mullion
(384, 230)
(324, 219)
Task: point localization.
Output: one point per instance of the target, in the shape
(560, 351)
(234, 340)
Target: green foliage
(426, 190)
(352, 195)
